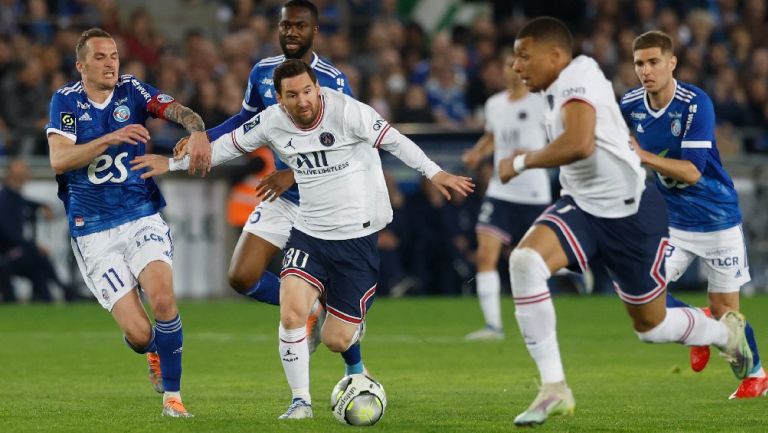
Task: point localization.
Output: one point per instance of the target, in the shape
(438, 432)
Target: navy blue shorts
(506, 220)
(345, 271)
(632, 248)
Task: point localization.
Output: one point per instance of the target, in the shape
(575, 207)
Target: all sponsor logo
(121, 113)
(85, 117)
(79, 221)
(83, 105)
(105, 294)
(121, 101)
(638, 116)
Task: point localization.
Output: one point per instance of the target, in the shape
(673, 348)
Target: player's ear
(79, 66)
(672, 62)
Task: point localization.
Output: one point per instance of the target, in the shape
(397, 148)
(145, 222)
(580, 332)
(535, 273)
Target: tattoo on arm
(185, 117)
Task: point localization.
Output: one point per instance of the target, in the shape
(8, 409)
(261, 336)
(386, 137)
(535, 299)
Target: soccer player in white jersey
(267, 229)
(674, 124)
(514, 121)
(606, 212)
(118, 236)
(331, 143)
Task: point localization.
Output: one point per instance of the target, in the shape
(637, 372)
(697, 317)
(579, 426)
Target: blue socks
(169, 339)
(673, 302)
(353, 360)
(267, 289)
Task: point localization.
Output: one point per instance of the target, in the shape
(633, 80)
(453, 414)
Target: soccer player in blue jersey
(266, 232)
(674, 124)
(119, 239)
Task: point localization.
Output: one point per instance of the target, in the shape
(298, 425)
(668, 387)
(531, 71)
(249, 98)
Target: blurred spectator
(22, 106)
(415, 107)
(142, 41)
(20, 255)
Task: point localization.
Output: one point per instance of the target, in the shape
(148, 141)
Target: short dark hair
(289, 69)
(91, 33)
(305, 4)
(654, 39)
(548, 29)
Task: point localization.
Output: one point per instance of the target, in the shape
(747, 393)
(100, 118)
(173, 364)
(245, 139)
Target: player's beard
(300, 52)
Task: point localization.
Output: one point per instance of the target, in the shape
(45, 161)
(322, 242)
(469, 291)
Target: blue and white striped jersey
(685, 129)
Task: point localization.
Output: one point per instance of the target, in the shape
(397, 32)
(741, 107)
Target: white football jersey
(517, 125)
(609, 182)
(335, 162)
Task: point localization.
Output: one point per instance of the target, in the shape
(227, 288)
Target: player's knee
(336, 342)
(163, 304)
(528, 271)
(240, 280)
(292, 317)
(486, 260)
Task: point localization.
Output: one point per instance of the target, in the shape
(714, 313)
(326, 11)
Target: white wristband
(519, 163)
(174, 165)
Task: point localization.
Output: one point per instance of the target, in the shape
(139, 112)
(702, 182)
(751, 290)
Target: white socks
(535, 312)
(488, 291)
(687, 326)
(294, 354)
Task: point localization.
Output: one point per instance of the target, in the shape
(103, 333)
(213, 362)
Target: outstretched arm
(227, 147)
(575, 143)
(407, 151)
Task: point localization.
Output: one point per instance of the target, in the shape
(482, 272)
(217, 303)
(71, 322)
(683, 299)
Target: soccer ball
(358, 399)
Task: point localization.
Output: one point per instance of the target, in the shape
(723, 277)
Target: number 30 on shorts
(295, 258)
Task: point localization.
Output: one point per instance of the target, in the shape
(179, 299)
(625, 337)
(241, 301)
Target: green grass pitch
(65, 369)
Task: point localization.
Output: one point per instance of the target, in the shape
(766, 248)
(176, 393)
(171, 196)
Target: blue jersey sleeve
(62, 119)
(252, 104)
(252, 101)
(699, 135)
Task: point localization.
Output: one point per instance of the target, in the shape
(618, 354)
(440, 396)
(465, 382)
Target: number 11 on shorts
(116, 277)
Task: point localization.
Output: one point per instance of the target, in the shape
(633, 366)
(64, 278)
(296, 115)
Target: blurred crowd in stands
(407, 74)
(392, 63)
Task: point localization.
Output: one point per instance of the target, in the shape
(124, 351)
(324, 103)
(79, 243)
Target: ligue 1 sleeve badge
(327, 139)
(122, 113)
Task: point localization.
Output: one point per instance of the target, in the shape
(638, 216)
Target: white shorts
(723, 254)
(272, 221)
(111, 260)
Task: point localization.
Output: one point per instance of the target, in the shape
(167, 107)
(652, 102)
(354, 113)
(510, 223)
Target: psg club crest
(122, 113)
(676, 127)
(327, 139)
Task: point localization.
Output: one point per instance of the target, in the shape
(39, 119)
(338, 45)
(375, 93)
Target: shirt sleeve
(372, 129)
(252, 100)
(154, 101)
(699, 133)
(343, 84)
(62, 119)
(488, 121)
(245, 139)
